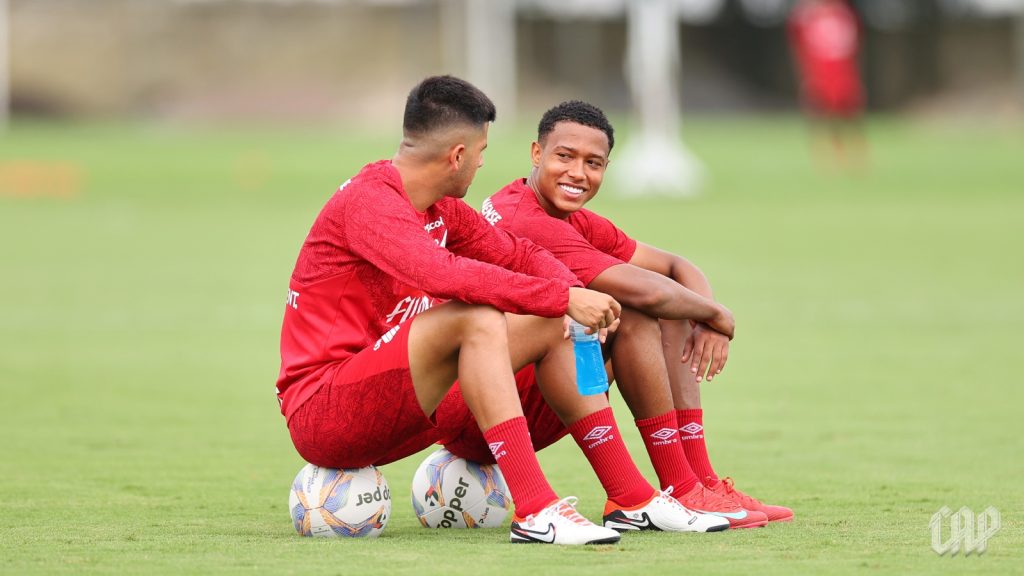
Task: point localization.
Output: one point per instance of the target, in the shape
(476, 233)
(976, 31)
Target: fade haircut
(445, 101)
(579, 113)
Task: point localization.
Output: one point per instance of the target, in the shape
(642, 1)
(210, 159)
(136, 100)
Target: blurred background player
(658, 356)
(824, 39)
(367, 353)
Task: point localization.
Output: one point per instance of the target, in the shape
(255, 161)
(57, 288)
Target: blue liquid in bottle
(590, 375)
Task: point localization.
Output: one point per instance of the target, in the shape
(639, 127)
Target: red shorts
(365, 412)
(461, 434)
(842, 100)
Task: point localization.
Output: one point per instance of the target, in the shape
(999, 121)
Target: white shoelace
(667, 493)
(566, 507)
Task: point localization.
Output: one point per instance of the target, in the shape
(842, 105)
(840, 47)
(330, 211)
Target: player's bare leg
(640, 370)
(540, 341)
(690, 418)
(635, 353)
(633, 504)
(649, 381)
(471, 343)
(682, 382)
(461, 341)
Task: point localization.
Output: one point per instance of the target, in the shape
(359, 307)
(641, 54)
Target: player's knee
(546, 328)
(633, 324)
(484, 322)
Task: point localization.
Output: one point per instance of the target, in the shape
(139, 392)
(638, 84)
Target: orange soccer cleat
(725, 488)
(701, 499)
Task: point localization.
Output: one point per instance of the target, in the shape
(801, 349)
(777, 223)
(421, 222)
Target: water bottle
(590, 375)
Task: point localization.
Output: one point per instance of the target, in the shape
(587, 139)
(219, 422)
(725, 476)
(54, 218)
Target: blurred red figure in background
(825, 40)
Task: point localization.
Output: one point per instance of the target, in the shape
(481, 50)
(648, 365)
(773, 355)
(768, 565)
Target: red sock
(510, 443)
(691, 432)
(661, 437)
(599, 438)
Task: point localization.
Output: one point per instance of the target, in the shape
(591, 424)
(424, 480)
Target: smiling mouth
(572, 190)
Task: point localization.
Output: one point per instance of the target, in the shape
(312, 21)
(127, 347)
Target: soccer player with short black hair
(666, 341)
(400, 288)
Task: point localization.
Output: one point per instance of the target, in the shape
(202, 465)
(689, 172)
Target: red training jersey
(586, 243)
(371, 261)
(824, 37)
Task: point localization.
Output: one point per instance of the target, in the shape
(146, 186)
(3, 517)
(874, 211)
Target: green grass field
(875, 376)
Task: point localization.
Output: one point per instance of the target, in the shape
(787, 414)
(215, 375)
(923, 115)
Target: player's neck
(417, 181)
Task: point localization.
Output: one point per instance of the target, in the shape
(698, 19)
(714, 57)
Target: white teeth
(571, 189)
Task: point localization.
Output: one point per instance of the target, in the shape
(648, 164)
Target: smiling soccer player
(664, 345)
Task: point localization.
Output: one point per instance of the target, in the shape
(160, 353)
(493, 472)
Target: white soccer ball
(451, 492)
(350, 503)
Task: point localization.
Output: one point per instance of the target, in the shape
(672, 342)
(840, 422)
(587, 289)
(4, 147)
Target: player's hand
(707, 352)
(602, 334)
(723, 322)
(595, 310)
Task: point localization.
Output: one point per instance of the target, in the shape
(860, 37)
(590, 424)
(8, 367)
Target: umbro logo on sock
(664, 436)
(496, 450)
(600, 435)
(664, 433)
(693, 431)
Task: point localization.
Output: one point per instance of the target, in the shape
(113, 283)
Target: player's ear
(456, 155)
(535, 153)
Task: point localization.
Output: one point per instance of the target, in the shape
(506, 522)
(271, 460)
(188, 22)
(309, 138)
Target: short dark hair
(443, 101)
(579, 113)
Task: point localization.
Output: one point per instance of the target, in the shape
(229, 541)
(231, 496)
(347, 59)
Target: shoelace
(710, 500)
(667, 494)
(740, 497)
(566, 507)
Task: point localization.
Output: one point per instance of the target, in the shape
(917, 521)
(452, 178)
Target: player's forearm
(682, 303)
(691, 277)
(654, 295)
(686, 273)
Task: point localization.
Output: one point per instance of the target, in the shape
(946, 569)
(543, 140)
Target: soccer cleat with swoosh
(725, 487)
(701, 499)
(560, 523)
(662, 512)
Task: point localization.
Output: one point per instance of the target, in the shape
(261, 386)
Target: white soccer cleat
(560, 523)
(661, 512)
